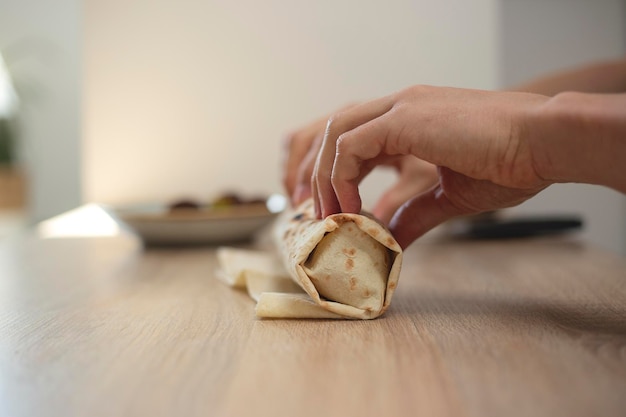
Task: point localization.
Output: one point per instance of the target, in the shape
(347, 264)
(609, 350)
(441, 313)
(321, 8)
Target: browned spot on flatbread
(349, 251)
(341, 218)
(373, 231)
(390, 242)
(366, 293)
(349, 264)
(327, 277)
(392, 285)
(352, 283)
(358, 221)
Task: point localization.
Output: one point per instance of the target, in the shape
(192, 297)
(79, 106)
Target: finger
(316, 202)
(354, 149)
(339, 124)
(296, 147)
(421, 214)
(365, 169)
(302, 189)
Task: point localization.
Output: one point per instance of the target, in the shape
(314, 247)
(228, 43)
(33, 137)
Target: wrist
(578, 137)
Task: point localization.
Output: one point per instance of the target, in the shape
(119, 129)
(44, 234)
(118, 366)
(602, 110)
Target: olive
(184, 205)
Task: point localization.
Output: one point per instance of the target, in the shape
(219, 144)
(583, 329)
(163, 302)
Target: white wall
(539, 36)
(191, 97)
(41, 41)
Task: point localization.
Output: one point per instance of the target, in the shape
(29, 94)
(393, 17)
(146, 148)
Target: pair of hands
(457, 152)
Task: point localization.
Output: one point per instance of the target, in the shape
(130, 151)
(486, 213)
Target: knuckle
(331, 123)
(334, 123)
(343, 142)
(417, 90)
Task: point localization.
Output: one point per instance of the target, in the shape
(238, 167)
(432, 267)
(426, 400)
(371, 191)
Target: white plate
(156, 225)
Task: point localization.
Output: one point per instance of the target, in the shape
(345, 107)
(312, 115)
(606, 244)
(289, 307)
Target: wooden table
(102, 327)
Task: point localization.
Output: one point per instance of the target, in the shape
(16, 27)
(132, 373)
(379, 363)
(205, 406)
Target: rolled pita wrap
(346, 265)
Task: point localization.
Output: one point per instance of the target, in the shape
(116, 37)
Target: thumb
(421, 214)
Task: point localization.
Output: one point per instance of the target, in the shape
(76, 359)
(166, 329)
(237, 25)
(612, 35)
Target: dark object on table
(496, 228)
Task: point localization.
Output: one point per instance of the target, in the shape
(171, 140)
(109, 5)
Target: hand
(474, 137)
(300, 151)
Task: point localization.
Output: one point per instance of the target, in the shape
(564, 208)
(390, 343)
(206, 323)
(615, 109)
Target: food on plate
(231, 199)
(226, 200)
(184, 205)
(189, 220)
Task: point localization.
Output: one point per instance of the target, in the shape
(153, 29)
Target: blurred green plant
(7, 141)
(19, 87)
(8, 113)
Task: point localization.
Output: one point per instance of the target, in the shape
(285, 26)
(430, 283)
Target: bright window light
(89, 220)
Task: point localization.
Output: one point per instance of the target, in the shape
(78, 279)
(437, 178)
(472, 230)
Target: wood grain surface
(103, 327)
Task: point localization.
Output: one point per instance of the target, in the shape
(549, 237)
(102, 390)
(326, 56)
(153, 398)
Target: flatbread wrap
(345, 266)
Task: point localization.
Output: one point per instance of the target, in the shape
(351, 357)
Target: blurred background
(116, 102)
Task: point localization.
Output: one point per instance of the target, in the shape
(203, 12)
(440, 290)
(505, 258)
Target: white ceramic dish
(156, 225)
